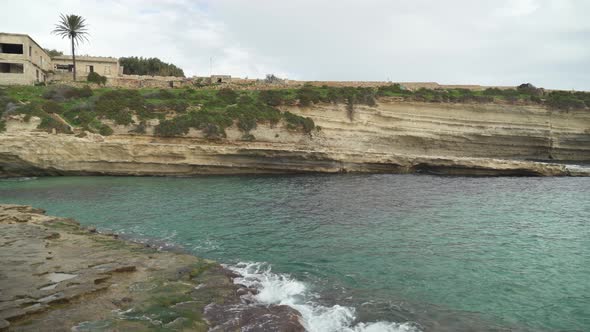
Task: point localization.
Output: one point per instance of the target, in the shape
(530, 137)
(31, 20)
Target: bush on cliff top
(48, 124)
(96, 78)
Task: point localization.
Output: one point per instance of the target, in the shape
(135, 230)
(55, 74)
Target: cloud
(503, 42)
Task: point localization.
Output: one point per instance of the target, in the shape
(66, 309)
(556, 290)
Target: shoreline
(69, 277)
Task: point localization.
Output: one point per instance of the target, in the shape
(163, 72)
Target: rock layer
(394, 137)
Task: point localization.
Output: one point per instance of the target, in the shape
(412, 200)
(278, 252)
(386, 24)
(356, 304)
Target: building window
(89, 69)
(11, 68)
(11, 48)
(30, 52)
(37, 74)
(68, 68)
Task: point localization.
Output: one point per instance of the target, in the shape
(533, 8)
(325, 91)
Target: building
(219, 79)
(85, 65)
(22, 60)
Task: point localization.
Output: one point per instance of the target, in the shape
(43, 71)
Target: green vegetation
(96, 78)
(149, 66)
(213, 111)
(53, 52)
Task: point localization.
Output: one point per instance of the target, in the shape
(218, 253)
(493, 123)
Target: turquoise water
(444, 253)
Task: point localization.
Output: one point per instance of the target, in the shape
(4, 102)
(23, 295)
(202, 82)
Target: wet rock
(4, 325)
(253, 318)
(178, 323)
(83, 277)
(246, 290)
(91, 229)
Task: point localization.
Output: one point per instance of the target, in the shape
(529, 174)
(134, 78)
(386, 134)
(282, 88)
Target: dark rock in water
(256, 318)
(246, 290)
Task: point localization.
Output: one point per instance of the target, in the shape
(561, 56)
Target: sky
(500, 42)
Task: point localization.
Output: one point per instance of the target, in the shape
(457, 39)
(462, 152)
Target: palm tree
(73, 27)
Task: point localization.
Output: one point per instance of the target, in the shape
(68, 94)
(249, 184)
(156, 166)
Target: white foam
(281, 289)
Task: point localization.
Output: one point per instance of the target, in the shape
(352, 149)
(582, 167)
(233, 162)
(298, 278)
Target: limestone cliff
(396, 137)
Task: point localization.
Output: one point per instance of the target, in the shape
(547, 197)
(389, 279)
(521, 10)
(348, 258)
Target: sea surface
(364, 252)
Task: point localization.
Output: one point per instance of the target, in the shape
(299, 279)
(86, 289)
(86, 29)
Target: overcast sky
(500, 42)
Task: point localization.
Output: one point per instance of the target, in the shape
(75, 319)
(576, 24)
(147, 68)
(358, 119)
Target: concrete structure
(220, 79)
(85, 65)
(22, 60)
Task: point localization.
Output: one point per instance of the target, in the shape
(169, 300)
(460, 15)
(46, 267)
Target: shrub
(177, 126)
(296, 121)
(105, 130)
(96, 78)
(60, 93)
(213, 131)
(245, 100)
(227, 96)
(565, 101)
(160, 94)
(118, 104)
(246, 123)
(248, 137)
(30, 110)
(179, 106)
(392, 90)
(85, 92)
(366, 96)
(48, 123)
(308, 95)
(51, 106)
(272, 97)
(492, 92)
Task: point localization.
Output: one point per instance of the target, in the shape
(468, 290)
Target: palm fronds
(73, 27)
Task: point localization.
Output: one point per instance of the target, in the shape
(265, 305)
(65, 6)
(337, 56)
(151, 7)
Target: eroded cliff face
(396, 137)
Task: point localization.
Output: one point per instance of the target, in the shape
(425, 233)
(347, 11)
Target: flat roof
(23, 35)
(86, 58)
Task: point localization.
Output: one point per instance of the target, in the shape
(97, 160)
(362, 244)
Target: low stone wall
(166, 82)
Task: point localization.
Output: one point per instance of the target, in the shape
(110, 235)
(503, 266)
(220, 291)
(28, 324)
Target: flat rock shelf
(58, 276)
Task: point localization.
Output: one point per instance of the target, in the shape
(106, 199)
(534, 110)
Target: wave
(282, 289)
(18, 179)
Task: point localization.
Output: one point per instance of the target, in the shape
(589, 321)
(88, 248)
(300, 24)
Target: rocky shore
(58, 276)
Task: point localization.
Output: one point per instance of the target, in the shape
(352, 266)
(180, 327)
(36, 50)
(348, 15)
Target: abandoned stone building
(105, 66)
(219, 79)
(22, 60)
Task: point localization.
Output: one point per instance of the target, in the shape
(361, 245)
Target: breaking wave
(281, 289)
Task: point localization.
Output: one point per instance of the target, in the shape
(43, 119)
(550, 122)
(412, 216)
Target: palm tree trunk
(74, 58)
